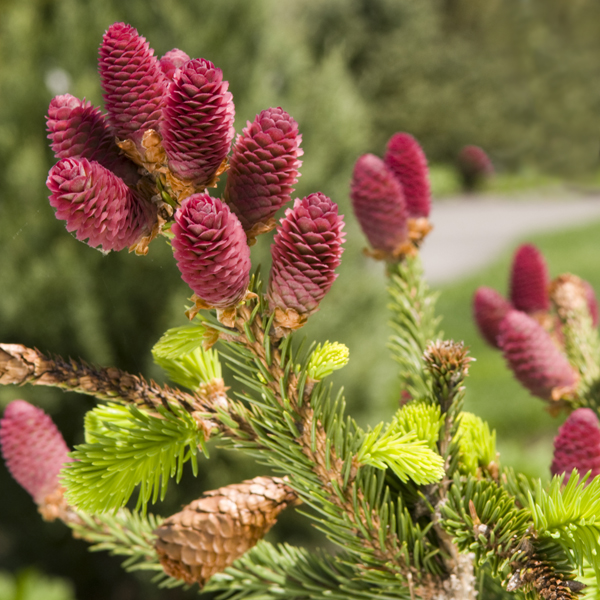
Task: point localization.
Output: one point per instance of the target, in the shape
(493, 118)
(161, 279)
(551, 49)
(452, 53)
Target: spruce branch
(125, 533)
(569, 515)
(482, 518)
(413, 323)
(269, 571)
(20, 365)
(302, 431)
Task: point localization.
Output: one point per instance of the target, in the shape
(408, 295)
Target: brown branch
(20, 365)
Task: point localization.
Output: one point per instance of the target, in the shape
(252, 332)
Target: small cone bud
(212, 532)
(211, 250)
(577, 445)
(33, 448)
(489, 308)
(379, 204)
(198, 122)
(448, 362)
(263, 167)
(172, 61)
(77, 129)
(533, 358)
(529, 280)
(406, 160)
(306, 251)
(474, 167)
(132, 81)
(97, 205)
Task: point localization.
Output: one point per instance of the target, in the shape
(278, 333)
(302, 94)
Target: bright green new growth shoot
(126, 447)
(477, 445)
(404, 453)
(327, 358)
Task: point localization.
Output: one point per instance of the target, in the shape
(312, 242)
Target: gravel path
(470, 232)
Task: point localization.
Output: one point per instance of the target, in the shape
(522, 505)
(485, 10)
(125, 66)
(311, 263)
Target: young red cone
(133, 83)
(533, 357)
(263, 167)
(76, 129)
(379, 204)
(172, 61)
(577, 445)
(211, 250)
(529, 280)
(96, 204)
(33, 448)
(489, 308)
(474, 166)
(306, 251)
(198, 122)
(406, 160)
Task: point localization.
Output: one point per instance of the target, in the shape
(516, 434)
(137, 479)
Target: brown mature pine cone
(212, 532)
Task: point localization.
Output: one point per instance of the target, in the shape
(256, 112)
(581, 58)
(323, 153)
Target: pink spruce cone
(172, 61)
(133, 83)
(33, 448)
(529, 280)
(474, 166)
(96, 204)
(263, 167)
(533, 357)
(76, 129)
(489, 308)
(379, 204)
(198, 122)
(577, 445)
(592, 302)
(211, 250)
(406, 159)
(306, 251)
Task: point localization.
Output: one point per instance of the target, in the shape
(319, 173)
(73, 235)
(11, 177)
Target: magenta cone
(379, 204)
(97, 205)
(474, 166)
(172, 61)
(198, 122)
(529, 280)
(406, 160)
(489, 308)
(577, 445)
(33, 448)
(263, 167)
(77, 129)
(532, 356)
(306, 251)
(133, 83)
(211, 250)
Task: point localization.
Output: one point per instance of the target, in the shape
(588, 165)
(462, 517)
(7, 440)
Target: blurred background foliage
(516, 77)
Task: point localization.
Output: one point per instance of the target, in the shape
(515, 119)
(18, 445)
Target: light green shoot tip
(326, 359)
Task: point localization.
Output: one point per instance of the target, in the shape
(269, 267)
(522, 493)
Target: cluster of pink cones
(525, 329)
(166, 138)
(391, 197)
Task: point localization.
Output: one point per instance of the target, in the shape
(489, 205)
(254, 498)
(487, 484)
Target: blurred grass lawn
(525, 430)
